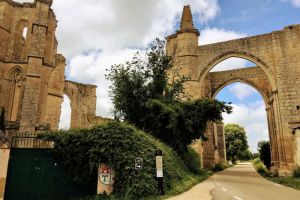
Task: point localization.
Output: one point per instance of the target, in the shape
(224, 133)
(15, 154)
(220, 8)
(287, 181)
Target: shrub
(116, 144)
(256, 161)
(192, 161)
(297, 173)
(261, 168)
(218, 167)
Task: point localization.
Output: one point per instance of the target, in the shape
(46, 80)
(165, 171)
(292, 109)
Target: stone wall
(83, 103)
(276, 54)
(32, 81)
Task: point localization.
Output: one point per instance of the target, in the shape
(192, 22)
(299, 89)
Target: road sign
(139, 164)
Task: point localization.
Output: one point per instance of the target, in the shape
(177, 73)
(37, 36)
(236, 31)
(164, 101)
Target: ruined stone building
(276, 77)
(32, 81)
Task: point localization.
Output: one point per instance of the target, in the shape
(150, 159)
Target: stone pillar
(197, 146)
(221, 142)
(31, 98)
(209, 147)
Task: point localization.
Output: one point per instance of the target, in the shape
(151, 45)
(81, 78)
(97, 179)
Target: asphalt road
(240, 182)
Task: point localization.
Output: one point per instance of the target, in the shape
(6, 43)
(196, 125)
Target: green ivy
(116, 144)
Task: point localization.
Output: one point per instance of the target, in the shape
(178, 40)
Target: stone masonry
(276, 77)
(32, 81)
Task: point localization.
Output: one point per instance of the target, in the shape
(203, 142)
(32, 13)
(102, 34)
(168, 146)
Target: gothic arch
(238, 54)
(237, 80)
(20, 41)
(15, 85)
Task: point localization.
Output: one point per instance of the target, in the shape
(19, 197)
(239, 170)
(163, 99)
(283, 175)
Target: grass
(187, 183)
(286, 181)
(289, 181)
(178, 187)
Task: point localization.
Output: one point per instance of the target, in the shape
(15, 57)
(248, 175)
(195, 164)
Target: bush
(117, 144)
(297, 173)
(192, 161)
(256, 161)
(261, 168)
(219, 167)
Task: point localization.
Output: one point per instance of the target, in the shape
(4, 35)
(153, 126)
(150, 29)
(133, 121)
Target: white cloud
(253, 118)
(213, 35)
(229, 64)
(65, 117)
(241, 91)
(101, 24)
(92, 67)
(111, 31)
(296, 3)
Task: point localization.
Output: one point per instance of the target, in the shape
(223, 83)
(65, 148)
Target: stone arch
(83, 103)
(238, 54)
(261, 78)
(274, 53)
(237, 80)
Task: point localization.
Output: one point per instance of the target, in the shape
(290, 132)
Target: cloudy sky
(94, 34)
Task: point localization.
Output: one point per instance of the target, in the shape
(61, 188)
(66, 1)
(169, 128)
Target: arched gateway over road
(276, 77)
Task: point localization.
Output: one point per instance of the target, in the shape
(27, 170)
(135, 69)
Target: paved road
(240, 182)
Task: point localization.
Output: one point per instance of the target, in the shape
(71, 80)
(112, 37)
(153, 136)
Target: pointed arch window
(21, 35)
(16, 80)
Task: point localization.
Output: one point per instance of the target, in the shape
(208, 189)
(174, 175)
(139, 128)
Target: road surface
(240, 182)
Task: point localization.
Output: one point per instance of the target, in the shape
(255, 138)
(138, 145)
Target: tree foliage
(179, 123)
(265, 153)
(143, 95)
(236, 141)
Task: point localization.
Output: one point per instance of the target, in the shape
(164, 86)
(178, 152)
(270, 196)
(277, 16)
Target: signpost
(159, 171)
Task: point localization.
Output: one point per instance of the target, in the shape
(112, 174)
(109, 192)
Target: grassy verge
(292, 181)
(179, 187)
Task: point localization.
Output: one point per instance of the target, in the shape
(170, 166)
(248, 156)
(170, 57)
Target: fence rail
(24, 141)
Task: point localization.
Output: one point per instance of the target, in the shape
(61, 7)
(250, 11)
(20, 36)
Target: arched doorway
(249, 111)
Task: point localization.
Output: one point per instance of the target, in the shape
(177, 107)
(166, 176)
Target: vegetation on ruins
(118, 144)
(143, 95)
(236, 142)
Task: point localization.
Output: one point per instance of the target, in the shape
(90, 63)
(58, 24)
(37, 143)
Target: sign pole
(159, 171)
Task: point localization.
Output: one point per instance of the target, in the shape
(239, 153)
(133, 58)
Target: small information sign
(139, 164)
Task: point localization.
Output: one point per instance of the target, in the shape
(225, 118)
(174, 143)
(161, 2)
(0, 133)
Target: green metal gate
(33, 174)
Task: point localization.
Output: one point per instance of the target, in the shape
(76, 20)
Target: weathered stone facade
(32, 81)
(276, 77)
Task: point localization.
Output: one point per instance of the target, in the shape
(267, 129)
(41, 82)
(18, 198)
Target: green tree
(245, 155)
(265, 153)
(143, 95)
(236, 141)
